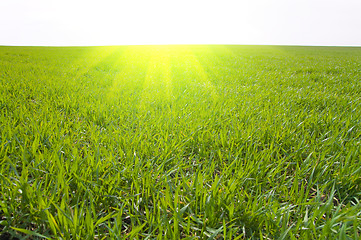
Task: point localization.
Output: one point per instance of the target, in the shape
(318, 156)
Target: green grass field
(169, 142)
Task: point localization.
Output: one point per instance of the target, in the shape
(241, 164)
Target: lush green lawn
(180, 142)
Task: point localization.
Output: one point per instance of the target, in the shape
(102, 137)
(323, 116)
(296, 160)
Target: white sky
(111, 22)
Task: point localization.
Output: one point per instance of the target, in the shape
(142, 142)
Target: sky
(132, 22)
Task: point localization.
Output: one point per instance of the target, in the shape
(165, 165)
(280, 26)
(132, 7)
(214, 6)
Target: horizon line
(183, 44)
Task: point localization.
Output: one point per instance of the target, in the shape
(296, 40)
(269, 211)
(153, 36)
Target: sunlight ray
(157, 86)
(95, 56)
(132, 65)
(167, 77)
(211, 61)
(203, 77)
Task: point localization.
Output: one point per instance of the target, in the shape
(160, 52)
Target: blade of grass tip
(103, 219)
(28, 232)
(116, 236)
(183, 209)
(215, 233)
(342, 235)
(136, 230)
(61, 210)
(241, 236)
(283, 236)
(54, 226)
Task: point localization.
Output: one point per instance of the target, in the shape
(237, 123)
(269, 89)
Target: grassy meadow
(180, 142)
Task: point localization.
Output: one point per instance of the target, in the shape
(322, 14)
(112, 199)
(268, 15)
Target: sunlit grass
(176, 142)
